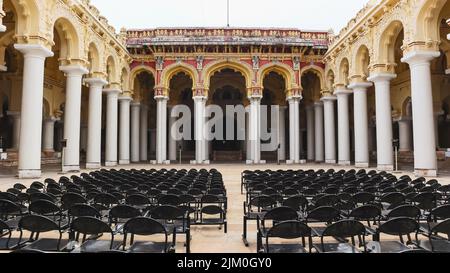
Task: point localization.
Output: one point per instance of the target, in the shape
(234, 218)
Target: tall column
(94, 148)
(111, 127)
(330, 129)
(72, 116)
(294, 123)
(143, 133)
(48, 135)
(385, 154)
(425, 158)
(248, 143)
(83, 137)
(32, 103)
(16, 130)
(310, 132)
(319, 131)
(135, 122)
(199, 130)
(405, 137)
(343, 126)
(255, 128)
(361, 124)
(436, 128)
(172, 140)
(124, 132)
(161, 130)
(282, 133)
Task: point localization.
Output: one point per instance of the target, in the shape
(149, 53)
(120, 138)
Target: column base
(154, 162)
(425, 173)
(387, 168)
(362, 165)
(93, 166)
(124, 162)
(29, 174)
(290, 162)
(195, 162)
(344, 163)
(110, 164)
(251, 162)
(330, 161)
(67, 169)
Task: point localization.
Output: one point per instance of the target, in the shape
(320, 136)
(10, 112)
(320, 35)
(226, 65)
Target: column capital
(161, 92)
(13, 114)
(420, 57)
(343, 91)
(33, 50)
(318, 104)
(199, 98)
(161, 98)
(51, 119)
(254, 92)
(75, 70)
(328, 98)
(403, 119)
(125, 98)
(381, 76)
(136, 104)
(199, 92)
(112, 91)
(96, 82)
(360, 85)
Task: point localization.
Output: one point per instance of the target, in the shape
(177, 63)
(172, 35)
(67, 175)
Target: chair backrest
(169, 199)
(363, 198)
(44, 207)
(441, 213)
(443, 228)
(405, 211)
(262, 201)
(37, 223)
(324, 214)
(281, 214)
(81, 210)
(8, 208)
(345, 229)
(144, 226)
(366, 213)
(167, 212)
(298, 202)
(137, 200)
(90, 226)
(124, 212)
(289, 230)
(212, 210)
(399, 226)
(70, 199)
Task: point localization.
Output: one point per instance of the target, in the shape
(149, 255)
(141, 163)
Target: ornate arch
(343, 71)
(360, 62)
(112, 69)
(428, 22)
(385, 47)
(317, 70)
(284, 70)
(170, 71)
(28, 19)
(137, 70)
(70, 38)
(241, 67)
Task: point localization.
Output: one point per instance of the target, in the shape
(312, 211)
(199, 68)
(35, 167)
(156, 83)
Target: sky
(302, 14)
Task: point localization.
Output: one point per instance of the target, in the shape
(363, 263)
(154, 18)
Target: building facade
(73, 90)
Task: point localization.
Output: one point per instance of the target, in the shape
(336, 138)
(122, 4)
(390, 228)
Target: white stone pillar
(385, 154)
(343, 126)
(319, 132)
(143, 132)
(111, 127)
(124, 132)
(405, 134)
(199, 128)
(330, 129)
(294, 134)
(16, 130)
(425, 158)
(282, 133)
(72, 116)
(48, 135)
(310, 132)
(31, 115)
(135, 123)
(161, 130)
(94, 139)
(255, 128)
(248, 143)
(172, 139)
(361, 124)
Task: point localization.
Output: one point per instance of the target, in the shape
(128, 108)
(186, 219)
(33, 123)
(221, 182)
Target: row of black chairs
(174, 199)
(389, 212)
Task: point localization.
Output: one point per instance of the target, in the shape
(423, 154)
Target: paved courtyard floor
(210, 239)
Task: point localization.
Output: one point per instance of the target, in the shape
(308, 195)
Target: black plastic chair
(324, 215)
(341, 230)
(6, 240)
(85, 226)
(436, 242)
(36, 225)
(143, 226)
(256, 207)
(120, 214)
(287, 230)
(401, 226)
(213, 215)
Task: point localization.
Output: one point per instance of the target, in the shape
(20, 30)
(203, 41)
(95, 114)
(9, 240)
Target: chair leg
(244, 235)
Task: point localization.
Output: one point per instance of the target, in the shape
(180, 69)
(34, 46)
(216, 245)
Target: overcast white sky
(303, 14)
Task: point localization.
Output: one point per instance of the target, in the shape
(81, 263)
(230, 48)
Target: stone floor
(209, 239)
